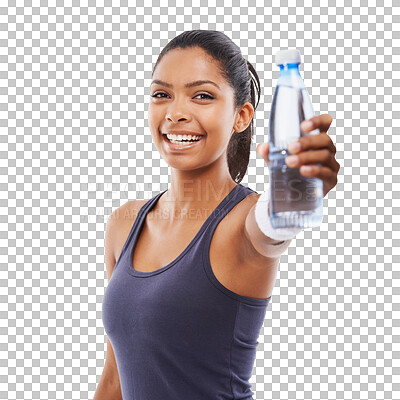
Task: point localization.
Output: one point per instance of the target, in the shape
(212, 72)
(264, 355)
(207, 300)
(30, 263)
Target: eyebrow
(188, 85)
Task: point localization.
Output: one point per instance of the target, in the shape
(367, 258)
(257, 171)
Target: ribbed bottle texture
(296, 201)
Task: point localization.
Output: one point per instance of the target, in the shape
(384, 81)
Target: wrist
(263, 219)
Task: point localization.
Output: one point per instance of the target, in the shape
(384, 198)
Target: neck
(196, 191)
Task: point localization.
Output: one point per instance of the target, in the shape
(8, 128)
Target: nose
(176, 113)
(175, 120)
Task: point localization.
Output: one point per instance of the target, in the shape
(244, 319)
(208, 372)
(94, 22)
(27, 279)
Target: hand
(312, 150)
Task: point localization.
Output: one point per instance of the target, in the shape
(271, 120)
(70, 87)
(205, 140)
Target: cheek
(150, 114)
(153, 120)
(153, 111)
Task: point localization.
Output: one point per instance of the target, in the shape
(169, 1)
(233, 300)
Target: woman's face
(205, 109)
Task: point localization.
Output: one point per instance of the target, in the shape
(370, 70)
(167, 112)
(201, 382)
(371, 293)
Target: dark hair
(236, 70)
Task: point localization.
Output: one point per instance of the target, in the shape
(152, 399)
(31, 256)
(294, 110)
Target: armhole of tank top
(129, 237)
(206, 261)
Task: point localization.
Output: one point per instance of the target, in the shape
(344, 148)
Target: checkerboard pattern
(74, 86)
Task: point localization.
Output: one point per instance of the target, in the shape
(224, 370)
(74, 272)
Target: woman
(192, 274)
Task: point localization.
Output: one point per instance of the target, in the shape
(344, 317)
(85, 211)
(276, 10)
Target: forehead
(179, 66)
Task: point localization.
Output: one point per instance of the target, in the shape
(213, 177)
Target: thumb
(262, 149)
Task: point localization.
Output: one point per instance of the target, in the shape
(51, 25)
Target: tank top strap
(138, 221)
(149, 205)
(146, 207)
(237, 194)
(234, 198)
(141, 215)
(240, 193)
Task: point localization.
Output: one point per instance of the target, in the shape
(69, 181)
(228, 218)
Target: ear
(243, 117)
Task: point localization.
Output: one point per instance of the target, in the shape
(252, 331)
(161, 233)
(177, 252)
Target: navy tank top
(177, 332)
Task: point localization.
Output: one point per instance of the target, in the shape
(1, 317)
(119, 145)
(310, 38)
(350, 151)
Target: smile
(181, 145)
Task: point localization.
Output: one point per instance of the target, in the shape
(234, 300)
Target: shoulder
(119, 224)
(234, 223)
(238, 239)
(242, 209)
(126, 212)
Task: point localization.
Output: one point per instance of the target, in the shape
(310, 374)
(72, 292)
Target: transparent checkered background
(74, 86)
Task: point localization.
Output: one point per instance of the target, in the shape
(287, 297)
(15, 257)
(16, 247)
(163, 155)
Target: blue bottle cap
(291, 56)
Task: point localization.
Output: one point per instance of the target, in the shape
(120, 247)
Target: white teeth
(182, 142)
(182, 137)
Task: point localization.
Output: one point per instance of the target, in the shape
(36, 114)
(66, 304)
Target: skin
(200, 176)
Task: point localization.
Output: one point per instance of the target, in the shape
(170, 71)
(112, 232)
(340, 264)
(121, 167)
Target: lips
(181, 146)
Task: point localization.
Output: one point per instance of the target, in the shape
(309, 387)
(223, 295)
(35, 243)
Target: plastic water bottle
(295, 200)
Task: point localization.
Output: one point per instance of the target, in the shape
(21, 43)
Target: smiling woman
(188, 292)
(190, 271)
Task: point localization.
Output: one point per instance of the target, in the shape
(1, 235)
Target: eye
(155, 95)
(205, 94)
(208, 97)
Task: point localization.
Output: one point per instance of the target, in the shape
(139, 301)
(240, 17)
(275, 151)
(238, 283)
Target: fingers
(321, 122)
(328, 176)
(323, 173)
(322, 145)
(262, 149)
(323, 157)
(314, 154)
(320, 141)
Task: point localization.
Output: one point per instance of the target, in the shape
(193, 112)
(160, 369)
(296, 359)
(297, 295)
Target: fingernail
(306, 168)
(306, 125)
(292, 160)
(294, 147)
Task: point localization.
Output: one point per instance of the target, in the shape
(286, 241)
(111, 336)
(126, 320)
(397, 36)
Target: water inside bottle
(296, 200)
